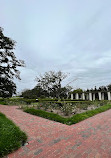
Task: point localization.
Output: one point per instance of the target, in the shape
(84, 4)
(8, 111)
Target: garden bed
(68, 109)
(75, 118)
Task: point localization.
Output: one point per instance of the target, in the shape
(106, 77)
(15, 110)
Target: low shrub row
(80, 117)
(47, 99)
(69, 121)
(20, 101)
(16, 101)
(47, 115)
(11, 137)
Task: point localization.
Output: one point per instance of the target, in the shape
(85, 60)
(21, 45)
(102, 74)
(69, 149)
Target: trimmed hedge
(19, 101)
(80, 117)
(47, 115)
(14, 101)
(11, 137)
(69, 121)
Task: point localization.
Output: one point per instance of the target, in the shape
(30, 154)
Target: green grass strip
(80, 117)
(11, 137)
(69, 121)
(47, 115)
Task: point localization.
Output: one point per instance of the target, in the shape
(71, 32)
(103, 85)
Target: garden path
(90, 138)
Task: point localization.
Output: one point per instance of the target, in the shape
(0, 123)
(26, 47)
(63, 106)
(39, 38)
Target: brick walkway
(48, 139)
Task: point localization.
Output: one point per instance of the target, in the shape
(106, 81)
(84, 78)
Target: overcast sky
(73, 36)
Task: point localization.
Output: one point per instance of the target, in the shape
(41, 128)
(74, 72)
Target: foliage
(79, 117)
(11, 137)
(100, 89)
(109, 87)
(77, 90)
(36, 92)
(46, 115)
(82, 107)
(8, 66)
(67, 108)
(48, 99)
(69, 121)
(51, 83)
(16, 101)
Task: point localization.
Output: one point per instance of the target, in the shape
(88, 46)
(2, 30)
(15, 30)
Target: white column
(90, 96)
(77, 96)
(67, 95)
(99, 94)
(87, 96)
(71, 96)
(94, 98)
(102, 96)
(83, 96)
(109, 95)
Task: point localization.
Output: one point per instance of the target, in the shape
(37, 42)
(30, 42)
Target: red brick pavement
(90, 138)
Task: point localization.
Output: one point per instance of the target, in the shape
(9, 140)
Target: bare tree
(51, 82)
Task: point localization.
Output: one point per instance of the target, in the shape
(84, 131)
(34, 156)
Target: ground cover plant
(11, 137)
(69, 120)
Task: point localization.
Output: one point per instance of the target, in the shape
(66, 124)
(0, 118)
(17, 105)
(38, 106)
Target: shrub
(67, 108)
(16, 101)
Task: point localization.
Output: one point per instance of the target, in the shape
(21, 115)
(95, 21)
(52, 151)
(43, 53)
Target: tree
(26, 93)
(77, 90)
(8, 66)
(102, 88)
(65, 92)
(51, 82)
(109, 87)
(34, 93)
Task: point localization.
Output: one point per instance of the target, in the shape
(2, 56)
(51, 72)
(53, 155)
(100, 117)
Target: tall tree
(8, 66)
(51, 82)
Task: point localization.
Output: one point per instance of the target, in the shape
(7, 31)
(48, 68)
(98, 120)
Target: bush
(47, 99)
(67, 108)
(16, 101)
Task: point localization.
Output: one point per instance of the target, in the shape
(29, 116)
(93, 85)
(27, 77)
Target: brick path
(90, 138)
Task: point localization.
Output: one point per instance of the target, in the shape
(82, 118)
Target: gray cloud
(72, 36)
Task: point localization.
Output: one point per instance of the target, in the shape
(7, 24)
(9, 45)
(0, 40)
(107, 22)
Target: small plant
(67, 108)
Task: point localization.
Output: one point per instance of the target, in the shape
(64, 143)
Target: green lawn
(69, 121)
(11, 137)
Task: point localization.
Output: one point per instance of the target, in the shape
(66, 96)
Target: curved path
(90, 138)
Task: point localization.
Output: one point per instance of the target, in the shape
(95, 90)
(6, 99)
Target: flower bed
(70, 120)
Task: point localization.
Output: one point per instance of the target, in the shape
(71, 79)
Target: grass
(69, 121)
(11, 137)
(47, 115)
